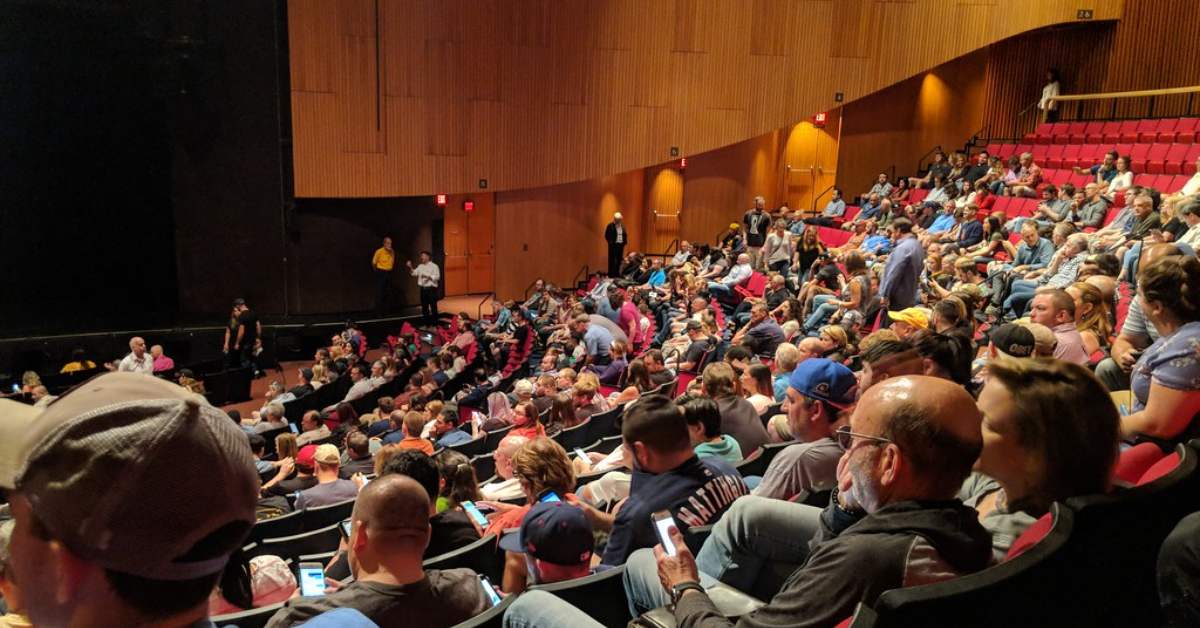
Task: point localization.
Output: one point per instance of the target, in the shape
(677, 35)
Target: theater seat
(1166, 130)
(482, 556)
(1160, 469)
(1134, 462)
(600, 595)
(253, 618)
(1031, 536)
(1185, 130)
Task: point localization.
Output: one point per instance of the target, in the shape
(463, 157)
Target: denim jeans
(719, 290)
(754, 547)
(535, 609)
(1019, 297)
(1179, 573)
(822, 310)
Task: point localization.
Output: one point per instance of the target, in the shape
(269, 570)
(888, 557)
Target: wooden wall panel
(895, 127)
(580, 90)
(720, 186)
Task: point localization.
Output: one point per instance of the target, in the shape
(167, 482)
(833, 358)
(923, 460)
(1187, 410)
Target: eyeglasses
(845, 438)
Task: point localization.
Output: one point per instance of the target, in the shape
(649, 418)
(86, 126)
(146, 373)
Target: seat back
(284, 525)
(758, 466)
(484, 465)
(472, 447)
(482, 556)
(576, 436)
(316, 542)
(494, 437)
(601, 425)
(491, 618)
(600, 595)
(324, 516)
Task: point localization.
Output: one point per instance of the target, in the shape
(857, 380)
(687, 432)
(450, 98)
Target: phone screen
(549, 496)
(312, 580)
(662, 523)
(473, 511)
(295, 430)
(582, 456)
(489, 590)
(16, 388)
(346, 528)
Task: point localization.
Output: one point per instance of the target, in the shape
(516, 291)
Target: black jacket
(610, 234)
(902, 544)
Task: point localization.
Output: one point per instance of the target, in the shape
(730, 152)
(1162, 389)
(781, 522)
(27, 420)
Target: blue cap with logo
(554, 532)
(825, 380)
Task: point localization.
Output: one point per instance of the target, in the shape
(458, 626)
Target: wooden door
(470, 239)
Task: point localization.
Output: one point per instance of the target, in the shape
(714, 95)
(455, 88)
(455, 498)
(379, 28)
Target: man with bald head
(741, 271)
(138, 361)
(388, 533)
(508, 487)
(893, 521)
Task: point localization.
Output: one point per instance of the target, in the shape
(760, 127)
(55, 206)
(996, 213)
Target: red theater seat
(1147, 130)
(1092, 129)
(1129, 132)
(1074, 129)
(1110, 134)
(1185, 130)
(1054, 156)
(1166, 130)
(1135, 461)
(1173, 158)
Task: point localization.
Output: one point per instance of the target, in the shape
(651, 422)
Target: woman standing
(1048, 107)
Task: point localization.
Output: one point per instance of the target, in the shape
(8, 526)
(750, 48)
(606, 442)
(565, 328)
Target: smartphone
(16, 388)
(663, 522)
(346, 528)
(295, 430)
(549, 496)
(473, 511)
(312, 580)
(489, 590)
(582, 456)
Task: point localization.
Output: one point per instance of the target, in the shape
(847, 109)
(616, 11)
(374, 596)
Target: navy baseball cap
(825, 380)
(554, 532)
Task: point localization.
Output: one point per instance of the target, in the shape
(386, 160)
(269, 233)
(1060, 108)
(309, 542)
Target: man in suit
(616, 236)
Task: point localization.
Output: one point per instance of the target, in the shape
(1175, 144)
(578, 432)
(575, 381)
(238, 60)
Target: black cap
(1013, 340)
(239, 301)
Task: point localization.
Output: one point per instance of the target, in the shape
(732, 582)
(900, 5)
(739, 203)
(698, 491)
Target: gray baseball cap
(134, 473)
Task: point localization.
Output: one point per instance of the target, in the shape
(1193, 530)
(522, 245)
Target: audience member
(507, 486)
(738, 417)
(358, 454)
(162, 363)
(389, 532)
(704, 426)
(138, 361)
(1054, 308)
(330, 487)
(311, 428)
(898, 288)
(557, 542)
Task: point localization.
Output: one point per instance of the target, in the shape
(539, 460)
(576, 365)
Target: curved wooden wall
(406, 97)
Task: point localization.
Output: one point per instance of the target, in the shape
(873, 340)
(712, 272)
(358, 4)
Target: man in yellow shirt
(382, 263)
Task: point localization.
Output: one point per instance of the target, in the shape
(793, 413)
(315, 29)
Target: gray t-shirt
(801, 469)
(442, 598)
(1005, 526)
(325, 494)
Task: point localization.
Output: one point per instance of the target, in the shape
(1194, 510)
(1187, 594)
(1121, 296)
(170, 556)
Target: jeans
(1179, 573)
(754, 547)
(535, 609)
(1019, 297)
(1111, 375)
(719, 290)
(822, 310)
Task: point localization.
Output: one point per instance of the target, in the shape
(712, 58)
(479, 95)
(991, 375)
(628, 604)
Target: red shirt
(420, 444)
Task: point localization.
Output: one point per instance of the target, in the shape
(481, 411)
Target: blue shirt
(1172, 361)
(696, 493)
(834, 208)
(970, 234)
(598, 340)
(868, 211)
(1035, 257)
(453, 437)
(876, 244)
(902, 272)
(780, 386)
(944, 222)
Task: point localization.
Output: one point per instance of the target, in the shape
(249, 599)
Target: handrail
(479, 310)
(817, 197)
(584, 271)
(922, 158)
(1167, 91)
(530, 287)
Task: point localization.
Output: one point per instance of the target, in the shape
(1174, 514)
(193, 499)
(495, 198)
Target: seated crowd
(837, 421)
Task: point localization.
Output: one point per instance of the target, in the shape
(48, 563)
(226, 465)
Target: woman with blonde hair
(286, 447)
(1091, 316)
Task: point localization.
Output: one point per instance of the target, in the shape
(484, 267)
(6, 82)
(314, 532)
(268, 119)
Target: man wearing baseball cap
(330, 487)
(820, 396)
(130, 495)
(1005, 341)
(908, 321)
(556, 539)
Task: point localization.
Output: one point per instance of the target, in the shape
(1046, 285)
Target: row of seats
(1181, 130)
(1157, 158)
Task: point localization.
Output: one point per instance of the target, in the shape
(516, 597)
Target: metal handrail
(479, 310)
(530, 287)
(817, 197)
(583, 273)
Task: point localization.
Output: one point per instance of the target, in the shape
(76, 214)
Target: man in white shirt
(508, 486)
(739, 273)
(682, 255)
(428, 275)
(312, 429)
(138, 361)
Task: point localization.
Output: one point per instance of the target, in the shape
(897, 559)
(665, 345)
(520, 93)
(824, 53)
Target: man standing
(898, 289)
(138, 361)
(757, 223)
(94, 464)
(617, 237)
(382, 263)
(428, 275)
(249, 329)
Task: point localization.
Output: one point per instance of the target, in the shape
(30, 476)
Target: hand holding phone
(662, 524)
(475, 514)
(489, 590)
(312, 580)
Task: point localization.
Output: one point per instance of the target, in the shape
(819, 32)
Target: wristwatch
(678, 590)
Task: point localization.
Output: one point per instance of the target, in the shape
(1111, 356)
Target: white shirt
(312, 435)
(1191, 237)
(737, 274)
(504, 489)
(427, 275)
(133, 364)
(1048, 92)
(1120, 182)
(1192, 186)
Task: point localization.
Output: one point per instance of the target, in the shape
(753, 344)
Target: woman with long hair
(854, 296)
(757, 387)
(525, 421)
(994, 237)
(562, 413)
(900, 192)
(458, 480)
(500, 413)
(1091, 316)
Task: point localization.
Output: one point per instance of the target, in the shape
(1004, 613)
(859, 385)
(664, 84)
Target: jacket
(900, 545)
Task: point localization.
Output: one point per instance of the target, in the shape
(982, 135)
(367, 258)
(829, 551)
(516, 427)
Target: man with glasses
(894, 521)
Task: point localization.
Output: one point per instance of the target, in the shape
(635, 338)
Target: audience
(330, 487)
(704, 425)
(389, 532)
(739, 419)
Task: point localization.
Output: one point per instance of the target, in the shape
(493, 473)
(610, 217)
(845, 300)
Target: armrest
(731, 603)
